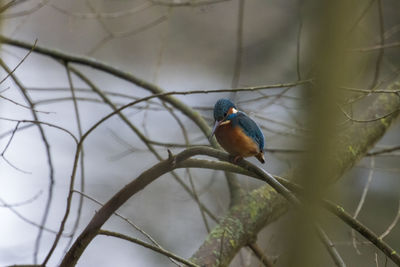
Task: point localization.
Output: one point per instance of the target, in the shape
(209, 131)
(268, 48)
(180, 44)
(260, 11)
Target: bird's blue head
(222, 109)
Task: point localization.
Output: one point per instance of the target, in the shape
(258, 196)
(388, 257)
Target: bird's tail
(260, 157)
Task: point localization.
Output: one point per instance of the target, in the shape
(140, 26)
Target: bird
(236, 132)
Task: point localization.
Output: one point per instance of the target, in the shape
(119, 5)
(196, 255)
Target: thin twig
(392, 225)
(20, 62)
(125, 219)
(362, 15)
(239, 46)
(112, 35)
(381, 51)
(6, 147)
(104, 15)
(187, 3)
(36, 122)
(376, 259)
(144, 244)
(367, 120)
(368, 91)
(376, 47)
(23, 13)
(48, 155)
(19, 215)
(362, 200)
(82, 162)
(260, 255)
(9, 140)
(383, 151)
(24, 202)
(366, 188)
(24, 106)
(298, 43)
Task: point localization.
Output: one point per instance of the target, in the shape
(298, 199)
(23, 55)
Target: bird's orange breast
(235, 141)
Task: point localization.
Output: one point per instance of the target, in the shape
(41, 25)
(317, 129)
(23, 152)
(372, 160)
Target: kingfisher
(236, 132)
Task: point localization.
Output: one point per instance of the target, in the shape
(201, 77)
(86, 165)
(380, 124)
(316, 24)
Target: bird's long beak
(217, 123)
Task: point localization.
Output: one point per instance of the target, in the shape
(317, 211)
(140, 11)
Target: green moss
(385, 122)
(353, 151)
(216, 233)
(234, 227)
(264, 193)
(253, 209)
(257, 200)
(216, 254)
(340, 208)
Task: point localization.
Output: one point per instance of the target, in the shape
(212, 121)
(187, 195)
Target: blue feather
(249, 127)
(221, 108)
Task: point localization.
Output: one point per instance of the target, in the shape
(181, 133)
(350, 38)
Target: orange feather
(235, 141)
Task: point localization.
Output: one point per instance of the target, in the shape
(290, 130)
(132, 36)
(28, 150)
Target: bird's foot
(236, 159)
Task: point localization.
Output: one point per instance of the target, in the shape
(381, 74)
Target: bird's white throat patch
(225, 122)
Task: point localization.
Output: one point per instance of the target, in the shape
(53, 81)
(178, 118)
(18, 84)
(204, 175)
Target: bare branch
(382, 43)
(19, 63)
(383, 151)
(362, 200)
(376, 47)
(146, 245)
(102, 15)
(48, 155)
(392, 225)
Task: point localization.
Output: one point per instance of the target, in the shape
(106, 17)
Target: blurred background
(179, 46)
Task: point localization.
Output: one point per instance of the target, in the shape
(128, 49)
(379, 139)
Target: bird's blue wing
(249, 127)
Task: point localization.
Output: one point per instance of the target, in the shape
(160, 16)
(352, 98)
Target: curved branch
(147, 245)
(123, 195)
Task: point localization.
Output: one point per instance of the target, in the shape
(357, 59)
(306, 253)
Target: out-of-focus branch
(376, 47)
(381, 50)
(383, 151)
(260, 254)
(187, 3)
